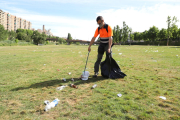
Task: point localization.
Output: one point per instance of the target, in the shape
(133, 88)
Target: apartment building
(16, 23)
(1, 17)
(30, 26)
(21, 23)
(11, 22)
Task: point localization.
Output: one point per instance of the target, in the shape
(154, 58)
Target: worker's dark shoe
(95, 75)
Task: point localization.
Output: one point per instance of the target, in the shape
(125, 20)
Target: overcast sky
(78, 17)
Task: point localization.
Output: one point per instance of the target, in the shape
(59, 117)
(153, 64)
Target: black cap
(99, 18)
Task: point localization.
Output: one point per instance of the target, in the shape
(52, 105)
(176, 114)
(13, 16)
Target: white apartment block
(11, 22)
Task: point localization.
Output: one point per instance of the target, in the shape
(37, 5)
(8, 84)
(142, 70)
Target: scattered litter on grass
(119, 95)
(94, 86)
(57, 69)
(117, 61)
(154, 60)
(120, 53)
(72, 79)
(74, 86)
(164, 98)
(69, 73)
(85, 75)
(61, 87)
(177, 55)
(44, 64)
(64, 79)
(46, 102)
(51, 105)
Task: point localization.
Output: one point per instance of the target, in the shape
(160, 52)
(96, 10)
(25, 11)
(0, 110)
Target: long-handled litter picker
(85, 74)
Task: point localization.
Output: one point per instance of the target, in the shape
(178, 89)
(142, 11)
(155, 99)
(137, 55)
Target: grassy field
(29, 75)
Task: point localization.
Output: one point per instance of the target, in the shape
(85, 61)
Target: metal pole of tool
(86, 63)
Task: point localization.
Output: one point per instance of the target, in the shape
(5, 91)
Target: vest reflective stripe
(104, 41)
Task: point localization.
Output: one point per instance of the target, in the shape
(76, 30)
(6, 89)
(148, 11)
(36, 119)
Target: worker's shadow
(60, 82)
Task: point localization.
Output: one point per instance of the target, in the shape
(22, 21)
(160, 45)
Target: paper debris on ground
(119, 95)
(61, 87)
(164, 98)
(64, 79)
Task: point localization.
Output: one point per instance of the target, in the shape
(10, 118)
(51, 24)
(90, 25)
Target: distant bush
(7, 43)
(77, 43)
(16, 40)
(14, 43)
(61, 40)
(25, 43)
(156, 43)
(65, 43)
(51, 43)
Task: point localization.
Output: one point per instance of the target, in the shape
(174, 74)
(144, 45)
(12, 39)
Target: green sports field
(29, 75)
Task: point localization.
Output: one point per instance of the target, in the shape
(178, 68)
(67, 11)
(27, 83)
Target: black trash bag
(110, 69)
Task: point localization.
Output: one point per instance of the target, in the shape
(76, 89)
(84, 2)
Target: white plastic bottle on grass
(51, 105)
(94, 86)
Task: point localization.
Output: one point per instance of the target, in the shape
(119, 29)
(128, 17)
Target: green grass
(29, 76)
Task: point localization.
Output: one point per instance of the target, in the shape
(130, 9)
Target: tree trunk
(168, 41)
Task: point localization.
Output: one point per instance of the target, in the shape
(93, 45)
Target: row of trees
(121, 34)
(34, 37)
(172, 33)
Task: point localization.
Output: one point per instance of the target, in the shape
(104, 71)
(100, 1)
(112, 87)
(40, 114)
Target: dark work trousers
(103, 47)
